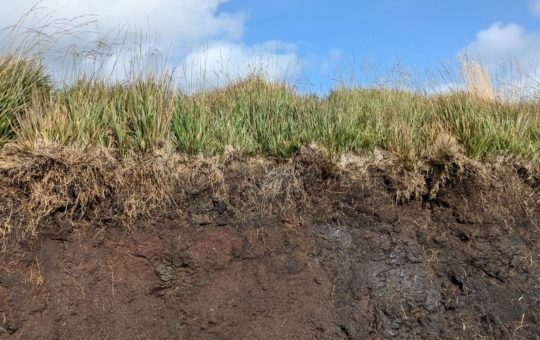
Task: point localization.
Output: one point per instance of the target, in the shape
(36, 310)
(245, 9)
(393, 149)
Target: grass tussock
(124, 117)
(20, 82)
(477, 80)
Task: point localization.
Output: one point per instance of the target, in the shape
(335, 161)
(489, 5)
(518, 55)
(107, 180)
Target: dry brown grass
(278, 191)
(39, 182)
(259, 186)
(478, 82)
(93, 184)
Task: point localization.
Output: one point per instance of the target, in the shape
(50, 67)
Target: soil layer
(335, 258)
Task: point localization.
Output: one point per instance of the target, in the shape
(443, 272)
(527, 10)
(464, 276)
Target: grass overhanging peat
(81, 143)
(407, 212)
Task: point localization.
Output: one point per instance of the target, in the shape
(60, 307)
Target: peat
(289, 251)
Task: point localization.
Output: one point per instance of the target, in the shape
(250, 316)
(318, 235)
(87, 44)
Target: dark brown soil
(339, 260)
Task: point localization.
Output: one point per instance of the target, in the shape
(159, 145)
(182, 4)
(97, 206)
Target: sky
(317, 42)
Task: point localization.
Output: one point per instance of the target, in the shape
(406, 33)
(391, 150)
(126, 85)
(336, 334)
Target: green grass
(257, 117)
(134, 116)
(20, 82)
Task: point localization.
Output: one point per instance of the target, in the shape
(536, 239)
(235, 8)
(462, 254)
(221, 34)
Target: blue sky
(417, 31)
(420, 33)
(215, 41)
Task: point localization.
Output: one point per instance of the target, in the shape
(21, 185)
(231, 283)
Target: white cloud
(535, 6)
(186, 21)
(214, 38)
(501, 43)
(511, 54)
(221, 62)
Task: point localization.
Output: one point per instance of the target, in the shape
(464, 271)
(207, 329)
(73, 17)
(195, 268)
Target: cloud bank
(185, 21)
(223, 62)
(194, 36)
(501, 44)
(511, 54)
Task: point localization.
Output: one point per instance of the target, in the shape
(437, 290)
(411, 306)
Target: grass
(77, 147)
(148, 113)
(97, 142)
(134, 116)
(20, 82)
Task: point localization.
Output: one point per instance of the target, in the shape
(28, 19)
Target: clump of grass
(367, 119)
(127, 117)
(20, 81)
(492, 128)
(251, 115)
(478, 82)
